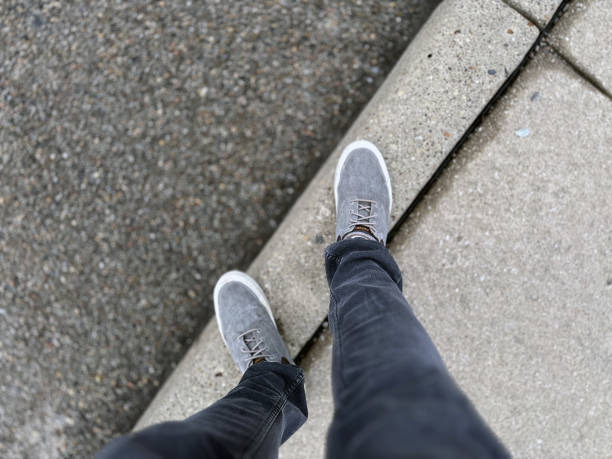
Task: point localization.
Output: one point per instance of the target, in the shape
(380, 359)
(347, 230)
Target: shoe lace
(363, 216)
(253, 346)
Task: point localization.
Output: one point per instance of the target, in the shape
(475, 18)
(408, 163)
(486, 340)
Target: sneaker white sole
(357, 145)
(248, 282)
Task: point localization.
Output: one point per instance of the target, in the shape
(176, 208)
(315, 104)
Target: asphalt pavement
(145, 148)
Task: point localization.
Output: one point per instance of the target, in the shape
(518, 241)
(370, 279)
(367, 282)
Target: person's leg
(253, 419)
(393, 395)
(250, 421)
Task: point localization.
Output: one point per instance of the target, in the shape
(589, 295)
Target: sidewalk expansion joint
(523, 13)
(582, 73)
(555, 18)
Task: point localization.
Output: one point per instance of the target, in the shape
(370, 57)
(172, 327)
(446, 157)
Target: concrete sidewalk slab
(508, 264)
(541, 11)
(583, 36)
(309, 441)
(447, 76)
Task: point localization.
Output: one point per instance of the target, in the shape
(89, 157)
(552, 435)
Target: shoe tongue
(367, 205)
(364, 210)
(250, 340)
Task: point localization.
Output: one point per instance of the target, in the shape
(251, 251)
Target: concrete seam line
(583, 73)
(580, 71)
(522, 13)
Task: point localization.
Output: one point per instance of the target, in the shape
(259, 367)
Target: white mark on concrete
(524, 132)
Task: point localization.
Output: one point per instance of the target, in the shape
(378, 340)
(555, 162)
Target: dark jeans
(393, 395)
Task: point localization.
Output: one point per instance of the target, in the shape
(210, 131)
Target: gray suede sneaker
(246, 323)
(362, 188)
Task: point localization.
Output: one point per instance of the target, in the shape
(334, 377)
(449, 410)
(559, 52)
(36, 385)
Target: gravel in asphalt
(145, 148)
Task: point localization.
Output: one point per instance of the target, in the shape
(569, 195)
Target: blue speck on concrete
(491, 72)
(522, 132)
